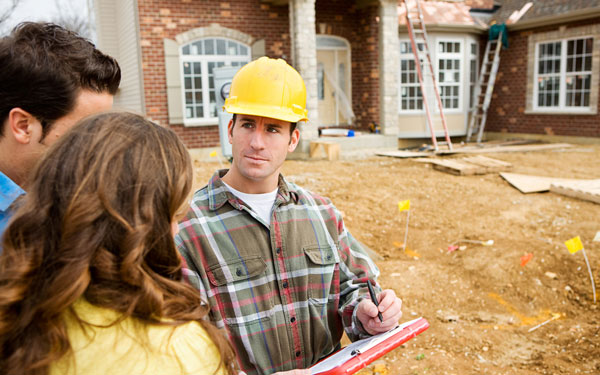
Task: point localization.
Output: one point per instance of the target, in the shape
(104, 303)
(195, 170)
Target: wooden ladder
(487, 78)
(420, 47)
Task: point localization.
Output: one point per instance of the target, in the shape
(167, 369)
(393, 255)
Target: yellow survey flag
(213, 154)
(404, 205)
(574, 245)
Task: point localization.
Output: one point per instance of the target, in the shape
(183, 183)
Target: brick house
(548, 80)
(353, 57)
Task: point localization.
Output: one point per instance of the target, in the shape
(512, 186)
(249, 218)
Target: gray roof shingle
(540, 8)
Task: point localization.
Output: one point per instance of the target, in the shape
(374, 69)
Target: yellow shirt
(132, 347)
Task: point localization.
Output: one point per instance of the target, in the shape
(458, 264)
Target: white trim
(461, 60)
(464, 57)
(331, 48)
(348, 62)
(207, 122)
(204, 60)
(408, 56)
(562, 75)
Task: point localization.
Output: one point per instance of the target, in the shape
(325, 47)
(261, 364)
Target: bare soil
(480, 302)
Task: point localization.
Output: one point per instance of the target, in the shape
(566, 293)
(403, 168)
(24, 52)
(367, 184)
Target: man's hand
(390, 307)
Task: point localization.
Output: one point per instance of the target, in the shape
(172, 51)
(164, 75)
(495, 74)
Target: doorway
(334, 82)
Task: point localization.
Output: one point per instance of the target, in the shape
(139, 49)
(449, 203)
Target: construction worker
(274, 261)
(50, 78)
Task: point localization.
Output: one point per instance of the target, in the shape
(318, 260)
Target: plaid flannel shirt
(284, 293)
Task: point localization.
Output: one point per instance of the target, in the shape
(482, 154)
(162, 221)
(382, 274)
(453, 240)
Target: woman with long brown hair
(89, 275)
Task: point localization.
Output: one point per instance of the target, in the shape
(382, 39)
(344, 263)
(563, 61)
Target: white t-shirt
(260, 203)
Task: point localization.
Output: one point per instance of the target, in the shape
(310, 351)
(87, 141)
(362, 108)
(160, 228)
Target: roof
(541, 8)
(440, 13)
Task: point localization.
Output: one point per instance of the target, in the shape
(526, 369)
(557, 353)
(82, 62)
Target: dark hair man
(274, 261)
(50, 78)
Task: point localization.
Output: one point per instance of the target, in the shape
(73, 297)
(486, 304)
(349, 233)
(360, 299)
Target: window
(320, 81)
(198, 60)
(473, 73)
(449, 59)
(564, 74)
(342, 76)
(410, 88)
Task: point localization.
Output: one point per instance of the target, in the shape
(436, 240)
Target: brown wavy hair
(96, 223)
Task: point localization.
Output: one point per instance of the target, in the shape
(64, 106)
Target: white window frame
(473, 73)
(562, 107)
(204, 60)
(408, 56)
(461, 70)
(462, 56)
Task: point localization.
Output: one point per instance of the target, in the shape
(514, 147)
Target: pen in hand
(374, 299)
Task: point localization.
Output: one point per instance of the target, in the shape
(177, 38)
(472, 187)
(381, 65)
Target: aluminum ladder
(486, 81)
(418, 36)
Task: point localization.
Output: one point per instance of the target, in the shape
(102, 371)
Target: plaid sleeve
(356, 267)
(190, 274)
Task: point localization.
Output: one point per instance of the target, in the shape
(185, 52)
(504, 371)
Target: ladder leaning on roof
(487, 78)
(418, 36)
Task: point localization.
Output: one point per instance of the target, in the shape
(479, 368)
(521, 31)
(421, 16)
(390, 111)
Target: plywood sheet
(535, 184)
(587, 190)
(457, 167)
(468, 166)
(490, 165)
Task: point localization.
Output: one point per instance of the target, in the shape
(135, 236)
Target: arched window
(198, 60)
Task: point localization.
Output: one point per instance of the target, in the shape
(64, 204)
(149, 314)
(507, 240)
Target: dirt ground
(480, 302)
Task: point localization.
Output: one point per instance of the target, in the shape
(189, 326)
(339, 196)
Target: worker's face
(260, 146)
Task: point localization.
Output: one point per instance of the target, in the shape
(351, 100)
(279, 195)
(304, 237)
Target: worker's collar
(219, 194)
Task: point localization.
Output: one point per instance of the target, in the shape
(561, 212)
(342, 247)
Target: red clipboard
(360, 353)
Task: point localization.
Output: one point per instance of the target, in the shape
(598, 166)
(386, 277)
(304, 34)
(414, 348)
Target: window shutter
(173, 78)
(258, 49)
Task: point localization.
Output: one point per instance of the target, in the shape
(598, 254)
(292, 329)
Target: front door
(333, 75)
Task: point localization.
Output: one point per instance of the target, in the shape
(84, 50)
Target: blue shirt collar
(9, 191)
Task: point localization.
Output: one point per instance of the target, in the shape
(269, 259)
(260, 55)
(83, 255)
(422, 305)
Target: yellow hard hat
(268, 88)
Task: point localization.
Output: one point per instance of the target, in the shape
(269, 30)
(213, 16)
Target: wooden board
(468, 166)
(490, 165)
(405, 154)
(516, 148)
(535, 184)
(475, 150)
(587, 190)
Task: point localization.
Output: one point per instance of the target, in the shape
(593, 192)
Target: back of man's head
(43, 68)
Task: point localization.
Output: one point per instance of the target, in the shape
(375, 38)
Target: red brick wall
(360, 28)
(166, 18)
(506, 112)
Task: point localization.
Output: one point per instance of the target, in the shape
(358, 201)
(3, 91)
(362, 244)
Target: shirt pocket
(243, 290)
(323, 272)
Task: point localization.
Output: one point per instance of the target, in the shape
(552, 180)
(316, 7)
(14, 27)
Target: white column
(304, 59)
(389, 60)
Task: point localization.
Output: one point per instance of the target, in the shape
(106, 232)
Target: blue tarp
(495, 31)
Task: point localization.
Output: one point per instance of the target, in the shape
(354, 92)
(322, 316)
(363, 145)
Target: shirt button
(238, 272)
(298, 354)
(293, 319)
(285, 284)
(278, 250)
